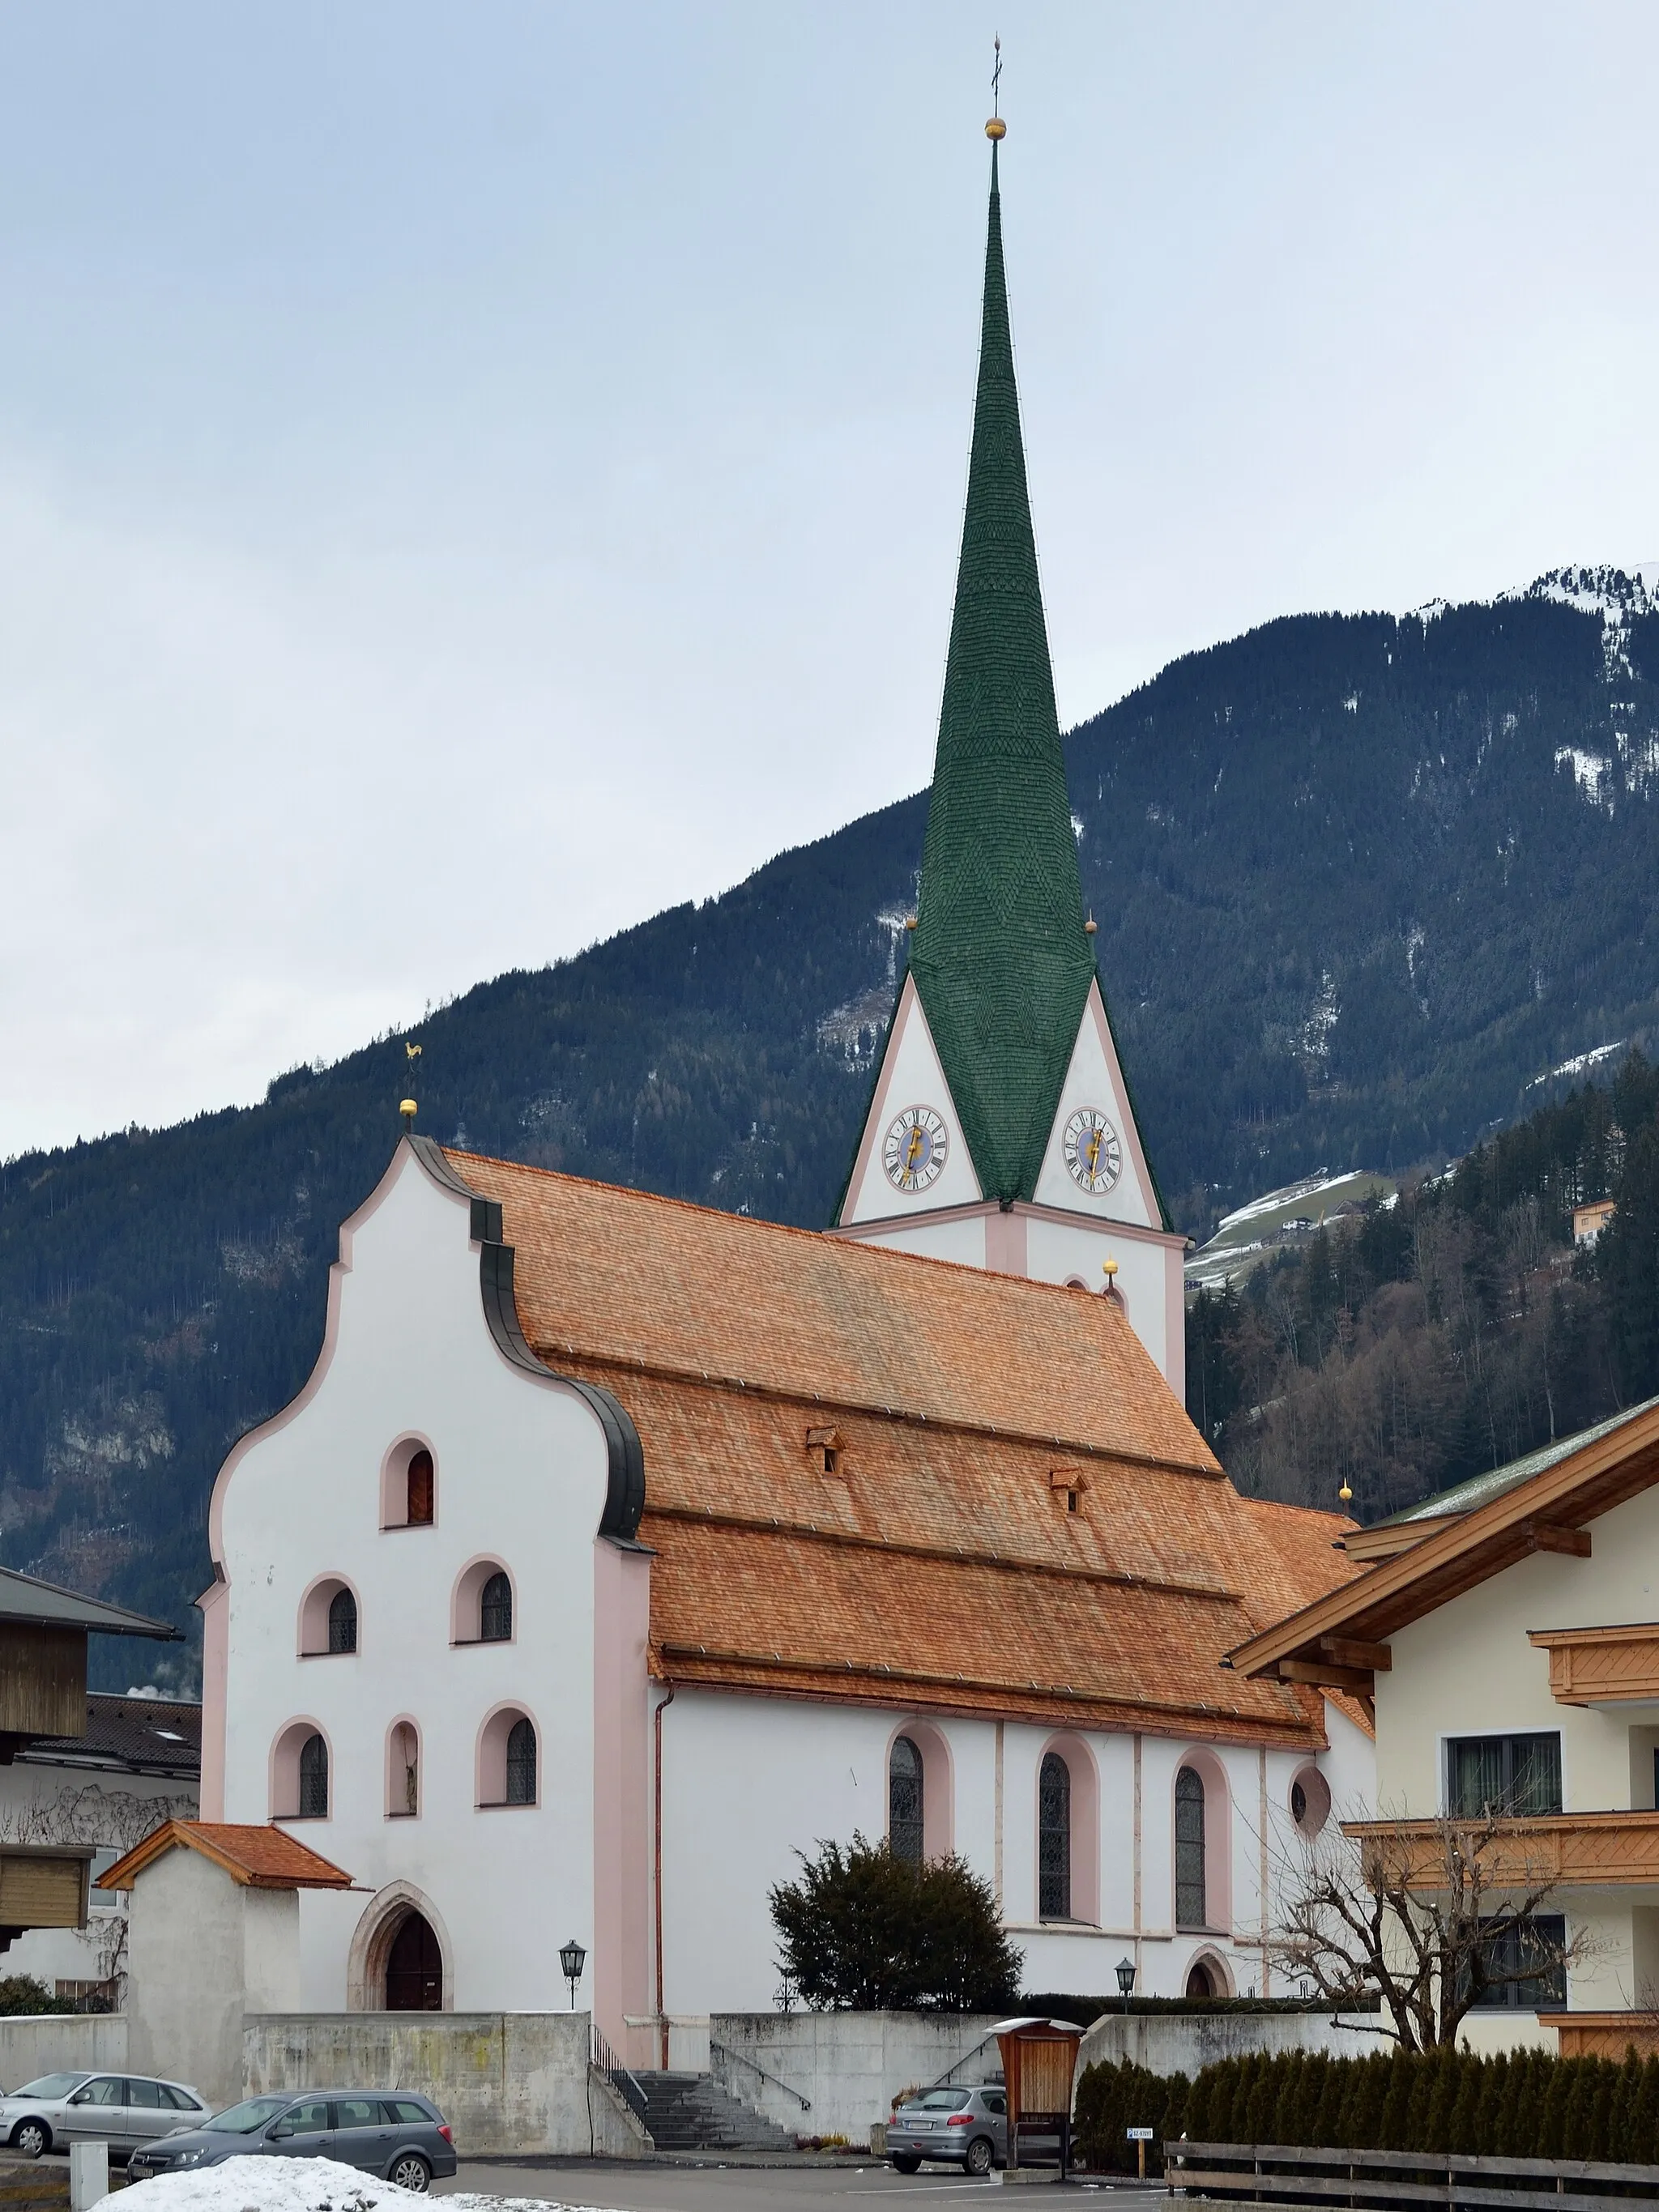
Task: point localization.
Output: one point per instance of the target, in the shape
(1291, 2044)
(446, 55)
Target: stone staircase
(691, 2112)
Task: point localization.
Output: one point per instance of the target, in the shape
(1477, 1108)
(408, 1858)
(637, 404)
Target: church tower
(1001, 1132)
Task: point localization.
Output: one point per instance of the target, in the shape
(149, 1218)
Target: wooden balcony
(1568, 1850)
(1601, 1666)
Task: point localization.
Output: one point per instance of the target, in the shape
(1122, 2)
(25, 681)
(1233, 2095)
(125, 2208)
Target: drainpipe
(656, 1872)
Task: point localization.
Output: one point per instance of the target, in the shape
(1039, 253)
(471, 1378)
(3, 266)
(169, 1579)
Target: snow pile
(295, 2184)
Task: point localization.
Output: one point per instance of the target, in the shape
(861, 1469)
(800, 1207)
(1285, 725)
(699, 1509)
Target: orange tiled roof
(257, 1858)
(939, 1567)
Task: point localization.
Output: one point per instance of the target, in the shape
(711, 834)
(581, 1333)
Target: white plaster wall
(521, 1475)
(849, 2065)
(748, 1781)
(961, 1241)
(185, 1968)
(1468, 1669)
(910, 1076)
(1057, 1251)
(270, 1950)
(1094, 1078)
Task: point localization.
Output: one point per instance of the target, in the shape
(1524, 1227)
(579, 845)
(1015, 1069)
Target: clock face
(1094, 1154)
(915, 1149)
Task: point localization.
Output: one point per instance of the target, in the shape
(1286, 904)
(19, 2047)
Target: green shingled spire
(1000, 957)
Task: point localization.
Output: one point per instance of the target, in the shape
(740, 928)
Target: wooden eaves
(1340, 1640)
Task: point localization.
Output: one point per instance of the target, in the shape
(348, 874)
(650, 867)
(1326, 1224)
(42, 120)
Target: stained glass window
(313, 1779)
(1189, 1850)
(420, 1489)
(1054, 1839)
(343, 1621)
(521, 1764)
(904, 1800)
(495, 1610)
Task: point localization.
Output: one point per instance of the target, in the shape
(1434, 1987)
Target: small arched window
(1190, 1849)
(313, 1779)
(521, 1763)
(495, 1610)
(420, 1489)
(1053, 1838)
(904, 1800)
(343, 1621)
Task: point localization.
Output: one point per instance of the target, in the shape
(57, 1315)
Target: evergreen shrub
(1522, 2104)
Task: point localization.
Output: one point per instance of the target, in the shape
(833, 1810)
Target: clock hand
(1094, 1150)
(913, 1152)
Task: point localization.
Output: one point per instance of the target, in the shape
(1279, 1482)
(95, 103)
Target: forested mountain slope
(1358, 880)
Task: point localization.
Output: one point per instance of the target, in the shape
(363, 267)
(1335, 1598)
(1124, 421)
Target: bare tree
(1432, 1916)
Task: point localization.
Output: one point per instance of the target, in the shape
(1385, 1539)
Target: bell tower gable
(912, 1158)
(1094, 1162)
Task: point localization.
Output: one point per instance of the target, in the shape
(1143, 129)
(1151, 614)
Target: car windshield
(50, 2085)
(940, 2100)
(247, 2117)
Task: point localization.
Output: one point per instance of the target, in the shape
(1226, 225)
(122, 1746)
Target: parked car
(401, 2138)
(122, 2109)
(967, 2128)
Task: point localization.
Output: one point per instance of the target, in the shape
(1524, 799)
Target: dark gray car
(403, 2138)
(967, 2128)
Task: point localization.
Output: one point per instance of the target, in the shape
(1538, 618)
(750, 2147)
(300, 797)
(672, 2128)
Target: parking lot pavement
(616, 2187)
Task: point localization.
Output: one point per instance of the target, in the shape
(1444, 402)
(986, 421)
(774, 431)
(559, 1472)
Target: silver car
(967, 2128)
(122, 2109)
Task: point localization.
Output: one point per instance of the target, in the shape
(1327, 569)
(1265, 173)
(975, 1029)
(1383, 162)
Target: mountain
(1359, 881)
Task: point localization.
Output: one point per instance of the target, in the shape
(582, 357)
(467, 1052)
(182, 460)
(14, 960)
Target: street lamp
(1126, 1979)
(572, 1959)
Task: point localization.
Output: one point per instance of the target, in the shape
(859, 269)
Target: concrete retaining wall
(33, 2044)
(514, 2081)
(1182, 2042)
(848, 2063)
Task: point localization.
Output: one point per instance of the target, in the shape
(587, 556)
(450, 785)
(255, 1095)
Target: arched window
(313, 1779)
(521, 1764)
(495, 1610)
(1053, 1838)
(1189, 1850)
(343, 1621)
(904, 1800)
(420, 1489)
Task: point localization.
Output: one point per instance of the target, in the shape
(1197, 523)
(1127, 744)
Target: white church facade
(618, 1550)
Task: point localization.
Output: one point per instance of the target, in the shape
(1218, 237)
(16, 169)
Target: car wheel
(979, 2155)
(31, 2137)
(905, 2163)
(412, 2172)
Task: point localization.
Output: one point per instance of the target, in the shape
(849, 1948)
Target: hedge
(1524, 2104)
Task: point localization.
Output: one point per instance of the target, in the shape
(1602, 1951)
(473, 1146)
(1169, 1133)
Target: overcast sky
(473, 475)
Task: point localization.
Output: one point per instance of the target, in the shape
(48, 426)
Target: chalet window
(1519, 1775)
(343, 1621)
(420, 1488)
(521, 1764)
(904, 1807)
(1054, 1839)
(313, 1779)
(495, 1610)
(1513, 1949)
(1190, 1849)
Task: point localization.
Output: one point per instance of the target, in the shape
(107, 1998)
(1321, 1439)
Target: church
(617, 1550)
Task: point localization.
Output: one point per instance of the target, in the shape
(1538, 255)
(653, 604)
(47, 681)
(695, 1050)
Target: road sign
(1137, 2134)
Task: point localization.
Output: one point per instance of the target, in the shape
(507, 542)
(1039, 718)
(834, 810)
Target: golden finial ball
(1344, 1493)
(407, 1110)
(910, 921)
(1090, 927)
(995, 128)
